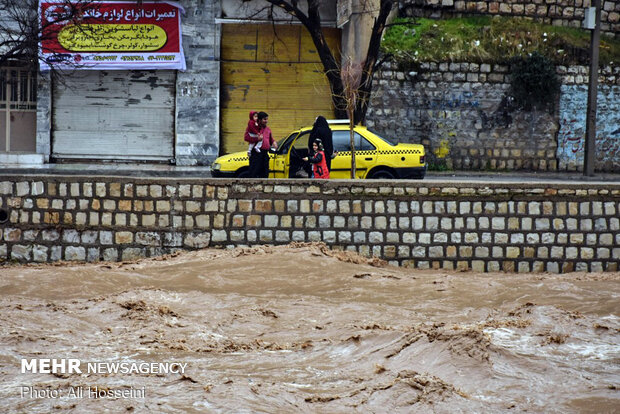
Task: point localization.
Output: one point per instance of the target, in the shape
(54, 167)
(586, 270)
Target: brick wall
(459, 112)
(485, 227)
(556, 12)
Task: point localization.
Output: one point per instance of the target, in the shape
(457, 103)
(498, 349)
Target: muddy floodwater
(301, 328)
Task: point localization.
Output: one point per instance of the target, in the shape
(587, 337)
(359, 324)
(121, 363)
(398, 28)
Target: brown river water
(300, 328)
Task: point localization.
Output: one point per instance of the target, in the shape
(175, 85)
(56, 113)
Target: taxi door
(279, 159)
(365, 155)
(298, 150)
(277, 165)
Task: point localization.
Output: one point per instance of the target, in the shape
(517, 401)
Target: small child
(318, 160)
(252, 131)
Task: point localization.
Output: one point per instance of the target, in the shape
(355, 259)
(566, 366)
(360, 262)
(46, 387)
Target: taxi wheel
(382, 175)
(243, 173)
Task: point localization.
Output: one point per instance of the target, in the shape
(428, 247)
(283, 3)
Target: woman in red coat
(318, 161)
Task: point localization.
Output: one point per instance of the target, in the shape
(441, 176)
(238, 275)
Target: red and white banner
(110, 35)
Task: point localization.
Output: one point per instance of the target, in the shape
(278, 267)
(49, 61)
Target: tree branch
(292, 9)
(371, 58)
(384, 59)
(312, 22)
(21, 31)
(414, 23)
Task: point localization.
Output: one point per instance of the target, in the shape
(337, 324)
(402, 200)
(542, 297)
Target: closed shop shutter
(114, 115)
(276, 69)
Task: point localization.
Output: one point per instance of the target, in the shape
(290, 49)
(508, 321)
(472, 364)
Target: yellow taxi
(375, 157)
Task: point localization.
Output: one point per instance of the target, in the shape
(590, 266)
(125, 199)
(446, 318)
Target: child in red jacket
(318, 161)
(251, 133)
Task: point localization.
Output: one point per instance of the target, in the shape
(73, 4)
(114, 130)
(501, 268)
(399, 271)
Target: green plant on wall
(485, 39)
(439, 161)
(534, 83)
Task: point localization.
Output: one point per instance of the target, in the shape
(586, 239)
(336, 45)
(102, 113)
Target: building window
(18, 105)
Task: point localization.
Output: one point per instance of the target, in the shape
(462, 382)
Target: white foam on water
(203, 404)
(294, 385)
(599, 351)
(526, 344)
(341, 351)
(510, 339)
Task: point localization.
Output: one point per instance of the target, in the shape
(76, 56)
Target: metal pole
(589, 159)
(7, 102)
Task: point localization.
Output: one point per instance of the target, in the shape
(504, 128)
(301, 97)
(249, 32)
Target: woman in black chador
(320, 130)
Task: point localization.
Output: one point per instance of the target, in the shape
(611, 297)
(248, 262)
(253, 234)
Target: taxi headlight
(217, 166)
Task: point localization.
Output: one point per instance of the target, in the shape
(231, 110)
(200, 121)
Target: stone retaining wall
(556, 12)
(461, 113)
(484, 227)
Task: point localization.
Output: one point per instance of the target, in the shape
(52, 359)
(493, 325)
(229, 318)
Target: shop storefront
(116, 100)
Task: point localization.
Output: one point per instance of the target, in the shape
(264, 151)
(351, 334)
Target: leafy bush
(534, 83)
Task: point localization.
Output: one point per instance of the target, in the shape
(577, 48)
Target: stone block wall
(484, 227)
(572, 119)
(556, 12)
(198, 88)
(44, 115)
(461, 112)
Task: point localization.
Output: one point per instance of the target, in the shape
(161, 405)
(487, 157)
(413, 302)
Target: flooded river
(300, 328)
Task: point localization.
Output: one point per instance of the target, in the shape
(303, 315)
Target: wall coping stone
(312, 185)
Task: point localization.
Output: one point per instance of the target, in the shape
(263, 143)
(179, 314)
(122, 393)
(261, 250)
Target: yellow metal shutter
(275, 69)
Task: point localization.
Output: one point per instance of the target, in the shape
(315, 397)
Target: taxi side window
(286, 144)
(302, 141)
(342, 142)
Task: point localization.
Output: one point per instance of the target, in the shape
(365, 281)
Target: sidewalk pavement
(109, 169)
(171, 171)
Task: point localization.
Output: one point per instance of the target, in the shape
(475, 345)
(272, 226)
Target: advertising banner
(110, 35)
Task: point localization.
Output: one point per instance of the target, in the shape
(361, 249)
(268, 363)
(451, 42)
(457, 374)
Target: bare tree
(311, 20)
(351, 75)
(21, 30)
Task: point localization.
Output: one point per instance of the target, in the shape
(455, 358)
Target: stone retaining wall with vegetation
(484, 227)
(461, 112)
(556, 12)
